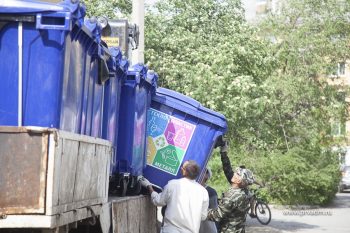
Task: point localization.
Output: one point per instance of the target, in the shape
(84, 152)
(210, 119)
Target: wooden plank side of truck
(50, 180)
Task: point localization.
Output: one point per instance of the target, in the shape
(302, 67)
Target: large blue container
(112, 96)
(96, 76)
(135, 100)
(52, 67)
(33, 45)
(78, 69)
(118, 68)
(136, 95)
(178, 129)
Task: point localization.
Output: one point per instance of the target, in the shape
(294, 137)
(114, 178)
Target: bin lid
(140, 73)
(29, 6)
(124, 65)
(94, 28)
(133, 75)
(189, 106)
(140, 69)
(114, 58)
(116, 53)
(152, 78)
(78, 10)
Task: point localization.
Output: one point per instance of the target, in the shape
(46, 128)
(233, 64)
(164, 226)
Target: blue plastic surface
(30, 6)
(61, 66)
(73, 89)
(135, 100)
(62, 21)
(48, 15)
(43, 71)
(93, 98)
(78, 10)
(179, 128)
(118, 68)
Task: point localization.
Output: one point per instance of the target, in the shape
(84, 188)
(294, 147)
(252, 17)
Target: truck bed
(49, 177)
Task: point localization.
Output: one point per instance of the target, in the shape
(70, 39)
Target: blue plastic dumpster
(118, 68)
(136, 94)
(112, 97)
(32, 51)
(178, 129)
(47, 55)
(73, 88)
(97, 73)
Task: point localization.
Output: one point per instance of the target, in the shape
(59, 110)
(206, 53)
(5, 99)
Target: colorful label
(168, 138)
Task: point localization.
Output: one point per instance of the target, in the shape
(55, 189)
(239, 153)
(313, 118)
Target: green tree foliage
(267, 81)
(309, 37)
(108, 8)
(206, 50)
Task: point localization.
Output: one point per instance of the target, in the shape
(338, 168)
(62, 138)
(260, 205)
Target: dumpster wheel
(138, 188)
(134, 187)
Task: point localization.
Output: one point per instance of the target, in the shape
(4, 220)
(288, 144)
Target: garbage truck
(60, 87)
(79, 124)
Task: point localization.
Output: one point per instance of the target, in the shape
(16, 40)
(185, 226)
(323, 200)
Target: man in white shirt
(186, 200)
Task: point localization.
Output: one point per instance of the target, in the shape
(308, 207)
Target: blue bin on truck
(45, 51)
(179, 128)
(34, 45)
(118, 68)
(96, 75)
(136, 94)
(87, 72)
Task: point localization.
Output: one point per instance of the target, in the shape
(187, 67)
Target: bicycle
(262, 210)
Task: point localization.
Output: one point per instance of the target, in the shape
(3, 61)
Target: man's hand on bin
(144, 182)
(222, 143)
(219, 141)
(148, 185)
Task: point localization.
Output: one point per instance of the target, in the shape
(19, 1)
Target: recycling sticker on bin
(168, 139)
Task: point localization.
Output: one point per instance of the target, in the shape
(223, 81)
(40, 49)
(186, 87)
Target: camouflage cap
(246, 175)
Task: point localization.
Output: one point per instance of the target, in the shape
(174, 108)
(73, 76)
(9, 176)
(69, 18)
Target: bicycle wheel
(263, 213)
